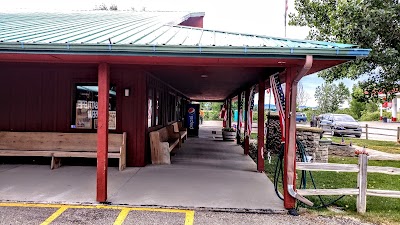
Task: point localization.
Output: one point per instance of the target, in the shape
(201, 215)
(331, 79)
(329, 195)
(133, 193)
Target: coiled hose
(303, 180)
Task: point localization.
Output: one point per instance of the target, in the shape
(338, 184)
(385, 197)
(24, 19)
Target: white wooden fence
(362, 169)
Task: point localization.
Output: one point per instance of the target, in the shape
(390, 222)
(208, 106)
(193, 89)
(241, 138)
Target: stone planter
(228, 135)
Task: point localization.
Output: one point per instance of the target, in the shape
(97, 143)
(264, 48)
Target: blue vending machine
(192, 119)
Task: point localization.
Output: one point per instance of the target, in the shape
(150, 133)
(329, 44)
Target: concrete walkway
(205, 173)
(378, 155)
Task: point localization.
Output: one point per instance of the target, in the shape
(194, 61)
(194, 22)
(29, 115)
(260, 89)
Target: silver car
(340, 124)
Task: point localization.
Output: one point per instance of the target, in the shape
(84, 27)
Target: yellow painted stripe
(54, 216)
(121, 217)
(40, 205)
(189, 220)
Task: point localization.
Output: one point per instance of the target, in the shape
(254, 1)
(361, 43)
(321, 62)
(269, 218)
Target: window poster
(83, 119)
(112, 120)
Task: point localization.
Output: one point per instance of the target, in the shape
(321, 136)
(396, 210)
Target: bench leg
(55, 163)
(122, 163)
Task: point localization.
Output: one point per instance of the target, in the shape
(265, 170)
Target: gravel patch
(221, 218)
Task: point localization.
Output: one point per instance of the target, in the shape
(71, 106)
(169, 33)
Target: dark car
(340, 124)
(301, 117)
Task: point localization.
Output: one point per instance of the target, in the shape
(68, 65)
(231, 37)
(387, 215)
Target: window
(85, 107)
(171, 108)
(150, 108)
(157, 109)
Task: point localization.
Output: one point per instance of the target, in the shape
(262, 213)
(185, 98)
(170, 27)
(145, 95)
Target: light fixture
(281, 62)
(126, 92)
(204, 76)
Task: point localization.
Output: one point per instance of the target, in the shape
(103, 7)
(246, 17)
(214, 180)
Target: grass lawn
(384, 146)
(379, 209)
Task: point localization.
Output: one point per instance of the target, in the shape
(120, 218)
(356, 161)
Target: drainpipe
(290, 147)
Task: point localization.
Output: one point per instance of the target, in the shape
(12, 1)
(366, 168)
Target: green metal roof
(132, 33)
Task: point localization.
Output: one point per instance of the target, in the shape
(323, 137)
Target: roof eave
(190, 51)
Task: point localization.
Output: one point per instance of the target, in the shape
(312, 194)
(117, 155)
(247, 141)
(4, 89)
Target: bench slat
(49, 141)
(24, 153)
(54, 145)
(83, 154)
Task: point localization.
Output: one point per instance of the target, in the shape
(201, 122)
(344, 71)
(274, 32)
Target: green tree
(372, 24)
(330, 96)
(113, 7)
(357, 103)
(102, 6)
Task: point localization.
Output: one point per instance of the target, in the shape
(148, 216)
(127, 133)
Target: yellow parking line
(189, 214)
(122, 216)
(54, 216)
(189, 219)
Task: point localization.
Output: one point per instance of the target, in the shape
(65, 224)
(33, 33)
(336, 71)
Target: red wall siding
(134, 111)
(193, 22)
(38, 97)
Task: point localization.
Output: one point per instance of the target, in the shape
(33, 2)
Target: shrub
(228, 129)
(368, 116)
(211, 115)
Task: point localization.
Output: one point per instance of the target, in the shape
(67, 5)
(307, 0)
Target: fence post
(366, 131)
(398, 134)
(362, 184)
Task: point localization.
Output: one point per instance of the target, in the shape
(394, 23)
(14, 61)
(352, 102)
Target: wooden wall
(38, 97)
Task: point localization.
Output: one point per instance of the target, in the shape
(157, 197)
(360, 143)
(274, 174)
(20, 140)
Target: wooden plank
(327, 167)
(384, 170)
(122, 159)
(362, 184)
(340, 191)
(83, 154)
(55, 163)
(50, 141)
(24, 153)
(383, 193)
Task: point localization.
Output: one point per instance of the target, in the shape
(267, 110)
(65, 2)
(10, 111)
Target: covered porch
(205, 173)
(167, 65)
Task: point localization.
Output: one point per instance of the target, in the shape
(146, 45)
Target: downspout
(291, 162)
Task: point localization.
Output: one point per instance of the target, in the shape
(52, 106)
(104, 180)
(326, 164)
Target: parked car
(340, 124)
(301, 117)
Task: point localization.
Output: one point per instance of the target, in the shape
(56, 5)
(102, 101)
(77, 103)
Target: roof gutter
(176, 50)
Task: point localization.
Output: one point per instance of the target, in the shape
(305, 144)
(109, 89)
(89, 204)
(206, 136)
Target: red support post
(102, 131)
(246, 120)
(290, 145)
(239, 119)
(226, 115)
(229, 112)
(260, 140)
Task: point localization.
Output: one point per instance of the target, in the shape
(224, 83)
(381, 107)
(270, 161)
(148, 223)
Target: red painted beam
(160, 60)
(246, 108)
(289, 154)
(230, 113)
(102, 131)
(260, 140)
(239, 99)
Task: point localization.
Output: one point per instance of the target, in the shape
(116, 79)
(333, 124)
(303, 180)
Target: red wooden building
(144, 67)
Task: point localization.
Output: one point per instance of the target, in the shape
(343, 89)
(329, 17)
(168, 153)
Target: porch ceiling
(210, 83)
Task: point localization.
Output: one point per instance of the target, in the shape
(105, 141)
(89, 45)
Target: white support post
(394, 109)
(362, 184)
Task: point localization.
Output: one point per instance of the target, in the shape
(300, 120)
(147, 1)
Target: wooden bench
(182, 132)
(57, 145)
(162, 142)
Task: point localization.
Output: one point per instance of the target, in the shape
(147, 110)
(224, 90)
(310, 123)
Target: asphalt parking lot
(43, 214)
